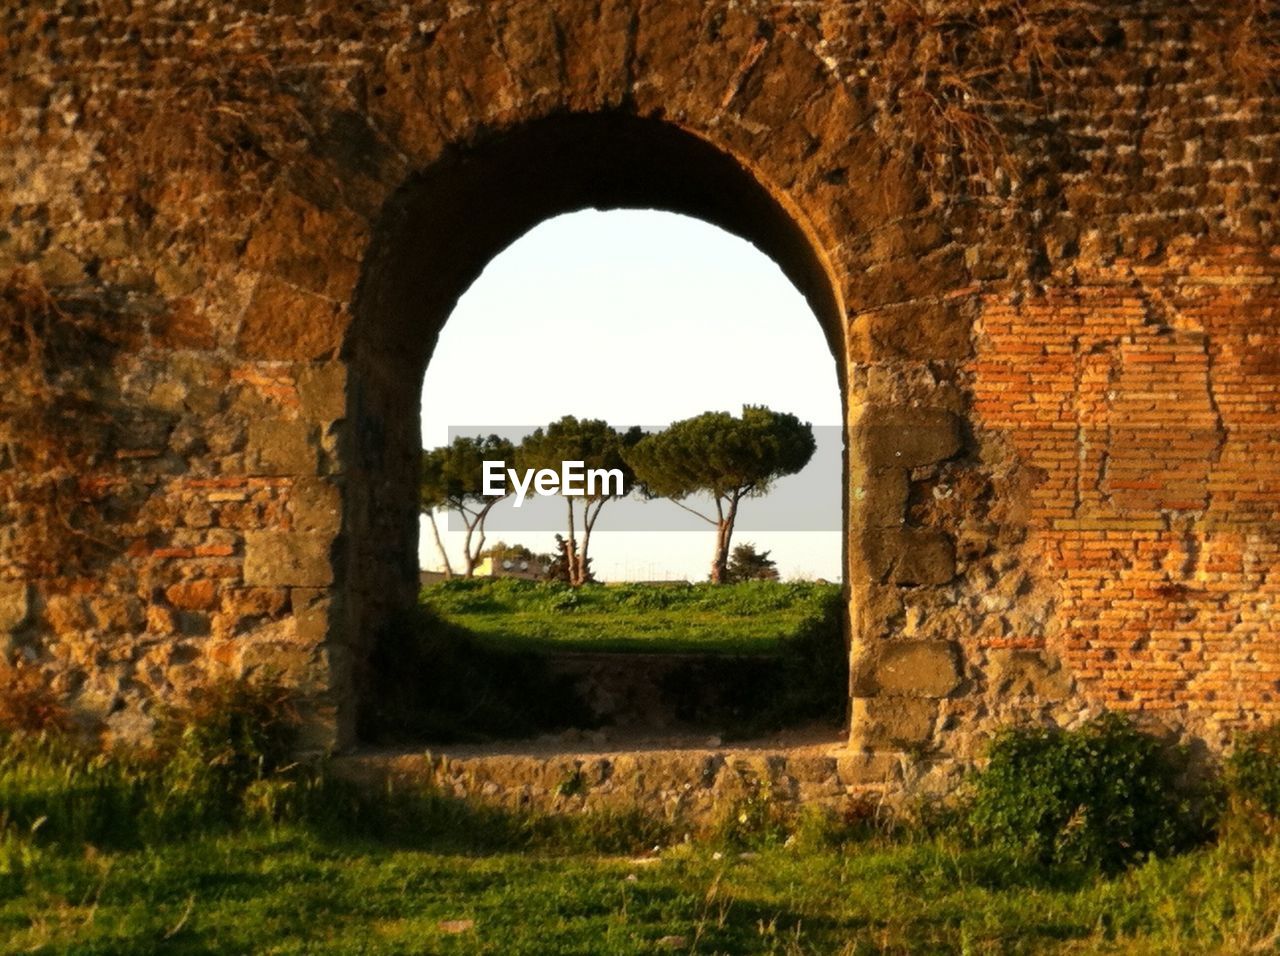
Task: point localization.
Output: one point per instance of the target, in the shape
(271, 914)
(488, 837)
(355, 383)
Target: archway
(436, 235)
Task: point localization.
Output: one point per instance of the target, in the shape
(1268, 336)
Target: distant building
(533, 569)
(529, 569)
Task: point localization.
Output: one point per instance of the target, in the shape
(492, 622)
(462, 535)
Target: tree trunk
(571, 552)
(720, 563)
(444, 555)
(724, 535)
(471, 554)
(477, 524)
(588, 522)
(468, 562)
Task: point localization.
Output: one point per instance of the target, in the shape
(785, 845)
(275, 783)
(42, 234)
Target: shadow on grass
(420, 819)
(431, 679)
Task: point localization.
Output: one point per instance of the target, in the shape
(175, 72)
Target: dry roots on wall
(52, 524)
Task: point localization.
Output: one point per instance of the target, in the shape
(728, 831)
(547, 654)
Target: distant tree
(748, 564)
(597, 445)
(558, 569)
(453, 480)
(725, 457)
(501, 551)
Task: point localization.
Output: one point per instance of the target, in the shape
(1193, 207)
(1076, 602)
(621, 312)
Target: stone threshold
(686, 778)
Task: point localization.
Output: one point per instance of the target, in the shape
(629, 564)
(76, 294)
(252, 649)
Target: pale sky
(637, 317)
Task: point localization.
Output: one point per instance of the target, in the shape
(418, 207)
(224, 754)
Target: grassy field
(211, 840)
(475, 660)
(287, 890)
(746, 618)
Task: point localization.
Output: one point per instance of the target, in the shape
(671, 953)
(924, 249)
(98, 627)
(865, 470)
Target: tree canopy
(599, 446)
(726, 457)
(748, 564)
(453, 479)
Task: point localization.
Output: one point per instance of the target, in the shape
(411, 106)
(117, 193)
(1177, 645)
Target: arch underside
(447, 222)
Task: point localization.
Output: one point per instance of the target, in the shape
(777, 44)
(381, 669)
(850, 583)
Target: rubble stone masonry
(1041, 240)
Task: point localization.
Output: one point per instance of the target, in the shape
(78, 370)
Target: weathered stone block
(907, 437)
(15, 605)
(192, 595)
(285, 323)
(281, 447)
(315, 504)
(908, 668)
(862, 769)
(304, 668)
(311, 612)
(1023, 672)
(927, 557)
(916, 330)
(909, 556)
(882, 499)
(891, 723)
(322, 388)
(881, 604)
(287, 559)
(293, 240)
(253, 602)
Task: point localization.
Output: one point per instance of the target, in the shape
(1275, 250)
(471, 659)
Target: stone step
(675, 778)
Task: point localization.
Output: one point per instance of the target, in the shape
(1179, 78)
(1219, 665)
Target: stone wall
(1041, 240)
(694, 788)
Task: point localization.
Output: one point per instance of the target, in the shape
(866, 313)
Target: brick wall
(1146, 399)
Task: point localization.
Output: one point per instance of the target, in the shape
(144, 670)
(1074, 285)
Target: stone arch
(205, 213)
(339, 195)
(433, 239)
(482, 125)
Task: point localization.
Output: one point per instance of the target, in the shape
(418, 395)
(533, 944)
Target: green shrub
(1104, 796)
(213, 762)
(241, 729)
(214, 747)
(755, 821)
(1252, 774)
(27, 703)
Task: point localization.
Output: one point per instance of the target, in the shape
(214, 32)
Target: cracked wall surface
(1151, 423)
(231, 233)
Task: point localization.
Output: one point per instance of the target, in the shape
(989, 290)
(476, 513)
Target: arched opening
(635, 317)
(434, 239)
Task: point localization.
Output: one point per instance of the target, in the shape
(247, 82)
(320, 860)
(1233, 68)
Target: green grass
(287, 890)
(748, 618)
(474, 661)
(206, 844)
